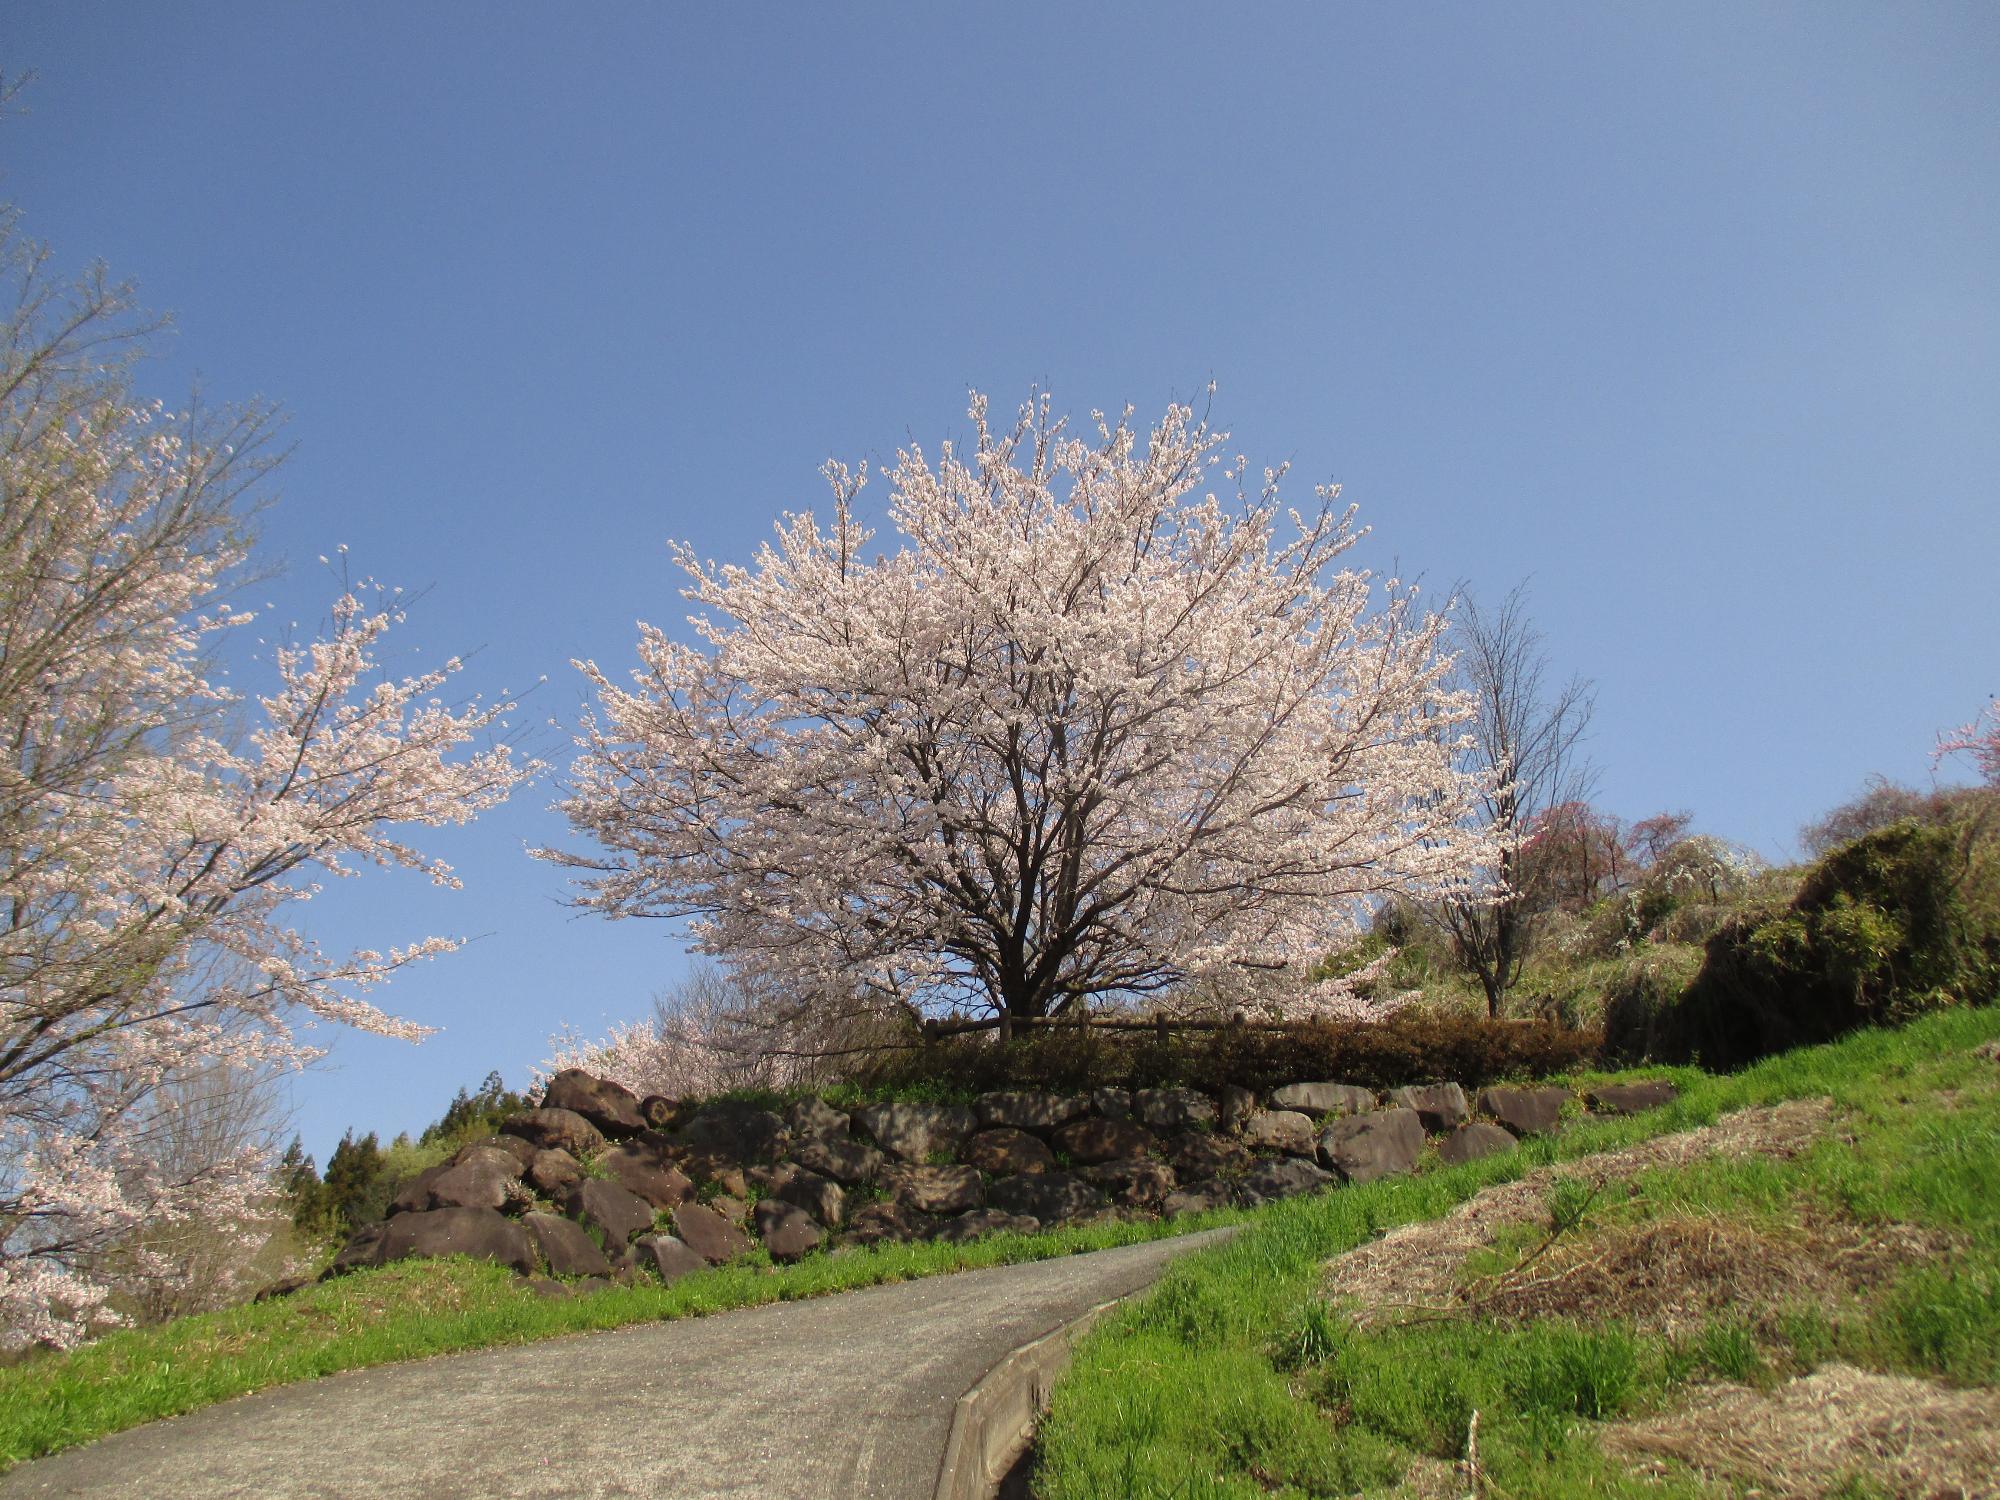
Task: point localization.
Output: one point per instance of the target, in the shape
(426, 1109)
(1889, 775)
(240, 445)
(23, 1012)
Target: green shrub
(1899, 921)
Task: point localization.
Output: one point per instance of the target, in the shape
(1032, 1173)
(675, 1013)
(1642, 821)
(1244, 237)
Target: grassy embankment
(1244, 1373)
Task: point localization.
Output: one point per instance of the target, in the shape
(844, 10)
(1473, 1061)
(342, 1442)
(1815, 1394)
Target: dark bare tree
(1525, 740)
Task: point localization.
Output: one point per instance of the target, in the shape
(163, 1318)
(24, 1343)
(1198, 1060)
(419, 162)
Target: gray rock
(611, 1107)
(887, 1222)
(474, 1184)
(847, 1161)
(566, 1248)
(1632, 1098)
(1051, 1197)
(933, 1190)
(1134, 1183)
(363, 1249)
(1199, 1198)
(1096, 1139)
(1004, 1150)
(646, 1173)
(1441, 1106)
(1362, 1148)
(912, 1132)
(984, 1221)
(1173, 1109)
(1470, 1142)
(734, 1131)
(1524, 1111)
(615, 1212)
(1028, 1109)
(1197, 1156)
(1234, 1106)
(1113, 1104)
(1318, 1099)
(1283, 1177)
(551, 1173)
(810, 1117)
(664, 1256)
(819, 1196)
(480, 1233)
(708, 1234)
(414, 1196)
(505, 1153)
(555, 1130)
(1284, 1130)
(787, 1230)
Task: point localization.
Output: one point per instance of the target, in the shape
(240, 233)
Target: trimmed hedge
(1404, 1049)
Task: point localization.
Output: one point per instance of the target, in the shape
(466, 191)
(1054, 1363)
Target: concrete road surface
(847, 1395)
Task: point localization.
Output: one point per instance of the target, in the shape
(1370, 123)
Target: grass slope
(416, 1309)
(1235, 1377)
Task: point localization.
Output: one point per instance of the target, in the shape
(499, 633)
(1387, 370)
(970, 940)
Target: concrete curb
(992, 1423)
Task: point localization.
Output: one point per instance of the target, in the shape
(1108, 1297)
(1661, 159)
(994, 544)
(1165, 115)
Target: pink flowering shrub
(160, 830)
(1979, 740)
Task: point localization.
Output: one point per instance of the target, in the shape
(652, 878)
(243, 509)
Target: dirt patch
(1910, 1437)
(1673, 1275)
(1419, 1264)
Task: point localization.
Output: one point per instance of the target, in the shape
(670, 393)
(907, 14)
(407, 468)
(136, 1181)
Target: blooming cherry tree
(1091, 734)
(1980, 739)
(159, 830)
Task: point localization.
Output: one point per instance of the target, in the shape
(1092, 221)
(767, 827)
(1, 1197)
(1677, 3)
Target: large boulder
(1524, 1111)
(734, 1131)
(363, 1248)
(1441, 1106)
(566, 1248)
(615, 1212)
(1317, 1099)
(1113, 1104)
(806, 1118)
(522, 1151)
(664, 1256)
(1133, 1183)
(933, 1190)
(1004, 1150)
(1095, 1139)
(1281, 1177)
(1234, 1105)
(1197, 1155)
(1632, 1098)
(819, 1196)
(914, 1132)
(847, 1161)
(480, 1233)
(887, 1221)
(1471, 1141)
(787, 1230)
(1028, 1109)
(645, 1172)
(553, 1173)
(478, 1183)
(1284, 1130)
(414, 1196)
(984, 1221)
(1199, 1197)
(1172, 1109)
(708, 1234)
(611, 1107)
(1051, 1197)
(1381, 1143)
(555, 1130)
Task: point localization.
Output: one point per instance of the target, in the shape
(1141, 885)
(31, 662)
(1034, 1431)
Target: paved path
(846, 1395)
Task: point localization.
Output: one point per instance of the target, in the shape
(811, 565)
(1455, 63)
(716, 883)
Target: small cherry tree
(1089, 735)
(159, 830)
(1980, 740)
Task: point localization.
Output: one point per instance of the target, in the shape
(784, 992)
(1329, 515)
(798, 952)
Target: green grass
(420, 1308)
(1233, 1379)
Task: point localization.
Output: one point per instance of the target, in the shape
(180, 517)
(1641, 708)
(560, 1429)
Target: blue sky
(1688, 311)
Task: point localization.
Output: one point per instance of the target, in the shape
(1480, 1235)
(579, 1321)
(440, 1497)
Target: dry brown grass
(1673, 1275)
(1908, 1437)
(1419, 1265)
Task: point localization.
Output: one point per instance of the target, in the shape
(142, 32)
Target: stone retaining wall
(597, 1184)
